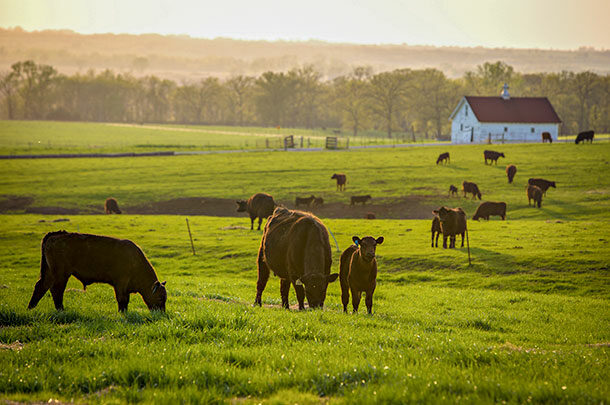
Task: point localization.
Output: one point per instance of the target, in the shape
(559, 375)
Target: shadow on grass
(10, 317)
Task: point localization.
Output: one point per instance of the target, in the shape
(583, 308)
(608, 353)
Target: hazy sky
(557, 24)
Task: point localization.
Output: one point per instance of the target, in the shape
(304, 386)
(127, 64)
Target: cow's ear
(435, 212)
(163, 283)
(379, 240)
(356, 240)
(155, 286)
(332, 277)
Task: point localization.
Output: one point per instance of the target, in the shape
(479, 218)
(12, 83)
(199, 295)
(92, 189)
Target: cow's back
(261, 204)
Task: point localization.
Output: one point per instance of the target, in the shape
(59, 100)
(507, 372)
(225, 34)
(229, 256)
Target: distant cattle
(96, 259)
(453, 222)
(259, 206)
(453, 191)
(546, 136)
(492, 156)
(443, 158)
(359, 199)
(296, 248)
(488, 208)
(542, 183)
(435, 230)
(471, 188)
(511, 170)
(585, 136)
(306, 201)
(317, 202)
(341, 180)
(534, 193)
(370, 215)
(358, 272)
(111, 206)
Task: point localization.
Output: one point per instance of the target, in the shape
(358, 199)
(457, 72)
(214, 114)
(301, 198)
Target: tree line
(403, 101)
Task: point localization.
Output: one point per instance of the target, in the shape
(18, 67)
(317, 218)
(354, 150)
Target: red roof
(515, 109)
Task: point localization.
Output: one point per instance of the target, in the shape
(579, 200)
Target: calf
(488, 208)
(360, 199)
(358, 272)
(472, 188)
(546, 136)
(453, 222)
(370, 215)
(111, 206)
(341, 180)
(542, 183)
(436, 230)
(443, 158)
(260, 205)
(453, 191)
(534, 193)
(492, 156)
(585, 136)
(307, 201)
(511, 170)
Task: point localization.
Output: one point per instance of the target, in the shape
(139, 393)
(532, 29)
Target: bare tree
(386, 93)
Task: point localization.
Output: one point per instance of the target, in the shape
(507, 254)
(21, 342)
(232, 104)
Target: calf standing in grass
(341, 180)
(453, 222)
(534, 193)
(453, 191)
(511, 170)
(472, 188)
(436, 230)
(488, 208)
(111, 206)
(542, 184)
(358, 272)
(492, 156)
(359, 199)
(443, 158)
(260, 205)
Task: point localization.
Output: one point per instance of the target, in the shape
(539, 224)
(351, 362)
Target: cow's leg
(300, 292)
(356, 295)
(462, 239)
(432, 238)
(284, 290)
(252, 222)
(437, 235)
(57, 291)
(122, 298)
(452, 242)
(263, 276)
(40, 289)
(260, 221)
(444, 241)
(369, 300)
(344, 290)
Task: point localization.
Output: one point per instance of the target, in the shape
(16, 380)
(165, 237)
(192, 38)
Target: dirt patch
(53, 211)
(14, 203)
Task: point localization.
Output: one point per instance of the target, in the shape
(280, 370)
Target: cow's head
(442, 213)
(367, 246)
(553, 184)
(502, 154)
(315, 287)
(157, 298)
(334, 176)
(242, 206)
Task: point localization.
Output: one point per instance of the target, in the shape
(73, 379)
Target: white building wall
(464, 124)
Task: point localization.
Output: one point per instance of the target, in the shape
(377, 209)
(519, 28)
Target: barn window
(466, 110)
(505, 129)
(461, 127)
(532, 130)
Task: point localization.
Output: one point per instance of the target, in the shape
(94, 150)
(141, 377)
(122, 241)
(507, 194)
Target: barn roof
(515, 109)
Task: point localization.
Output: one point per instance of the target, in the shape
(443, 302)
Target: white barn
(503, 119)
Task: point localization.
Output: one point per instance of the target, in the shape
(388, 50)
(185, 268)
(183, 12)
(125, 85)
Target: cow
(542, 183)
(534, 193)
(341, 180)
(443, 158)
(492, 156)
(358, 272)
(453, 191)
(96, 259)
(318, 202)
(546, 136)
(307, 201)
(296, 248)
(488, 208)
(585, 136)
(511, 170)
(370, 215)
(436, 229)
(472, 188)
(111, 206)
(453, 222)
(259, 206)
(360, 199)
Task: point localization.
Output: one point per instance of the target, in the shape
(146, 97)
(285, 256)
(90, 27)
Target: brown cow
(472, 188)
(511, 170)
(97, 259)
(358, 272)
(436, 229)
(542, 183)
(453, 191)
(111, 206)
(359, 199)
(318, 202)
(492, 156)
(453, 222)
(584, 136)
(341, 180)
(260, 205)
(295, 247)
(546, 136)
(443, 158)
(534, 193)
(370, 215)
(307, 201)
(488, 208)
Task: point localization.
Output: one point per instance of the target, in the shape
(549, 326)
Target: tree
(350, 95)
(386, 93)
(239, 92)
(8, 88)
(584, 86)
(436, 97)
(34, 85)
(274, 98)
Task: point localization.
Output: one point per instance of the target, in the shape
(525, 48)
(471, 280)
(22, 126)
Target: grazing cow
(585, 136)
(453, 222)
(542, 183)
(443, 158)
(360, 199)
(546, 136)
(97, 259)
(370, 215)
(341, 180)
(453, 191)
(472, 188)
(534, 193)
(306, 201)
(295, 247)
(492, 156)
(260, 205)
(111, 206)
(511, 170)
(318, 202)
(436, 229)
(488, 208)
(358, 272)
